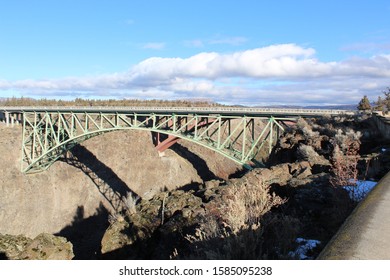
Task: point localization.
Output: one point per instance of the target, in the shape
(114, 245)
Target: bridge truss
(48, 135)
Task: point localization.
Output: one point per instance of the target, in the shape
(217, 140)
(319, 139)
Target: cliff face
(103, 170)
(183, 193)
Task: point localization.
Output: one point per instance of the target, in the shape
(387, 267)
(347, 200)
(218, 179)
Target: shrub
(244, 205)
(302, 123)
(231, 227)
(129, 203)
(348, 141)
(306, 152)
(309, 133)
(345, 158)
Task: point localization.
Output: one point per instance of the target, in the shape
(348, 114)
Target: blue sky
(234, 52)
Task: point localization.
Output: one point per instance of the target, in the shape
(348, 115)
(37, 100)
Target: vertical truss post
(116, 119)
(86, 122)
(271, 135)
(23, 140)
(219, 131)
(196, 126)
(72, 124)
(174, 119)
(153, 121)
(135, 120)
(253, 130)
(58, 126)
(34, 135)
(46, 144)
(243, 139)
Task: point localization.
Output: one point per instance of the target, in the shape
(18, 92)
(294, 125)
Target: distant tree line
(382, 104)
(24, 101)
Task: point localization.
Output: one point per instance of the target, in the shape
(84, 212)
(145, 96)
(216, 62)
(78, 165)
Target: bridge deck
(234, 111)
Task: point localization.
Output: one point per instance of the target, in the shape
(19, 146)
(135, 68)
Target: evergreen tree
(379, 104)
(364, 104)
(386, 102)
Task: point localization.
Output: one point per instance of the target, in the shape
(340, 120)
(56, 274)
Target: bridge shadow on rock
(3, 256)
(105, 179)
(196, 161)
(274, 239)
(86, 233)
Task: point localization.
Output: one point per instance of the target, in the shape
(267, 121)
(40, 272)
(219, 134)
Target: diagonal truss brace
(48, 135)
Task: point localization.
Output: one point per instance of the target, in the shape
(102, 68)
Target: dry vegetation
(345, 159)
(233, 225)
(107, 102)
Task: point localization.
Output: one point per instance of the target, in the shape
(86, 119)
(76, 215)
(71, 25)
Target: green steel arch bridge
(238, 133)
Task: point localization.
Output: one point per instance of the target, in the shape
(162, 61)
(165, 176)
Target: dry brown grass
(244, 205)
(231, 227)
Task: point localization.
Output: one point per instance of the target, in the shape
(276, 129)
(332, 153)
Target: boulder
(48, 247)
(13, 245)
(116, 237)
(43, 247)
(155, 221)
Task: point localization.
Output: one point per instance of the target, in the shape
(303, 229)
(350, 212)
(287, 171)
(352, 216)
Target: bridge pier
(7, 118)
(11, 118)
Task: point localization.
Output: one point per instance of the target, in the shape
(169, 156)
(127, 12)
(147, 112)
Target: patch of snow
(305, 245)
(362, 188)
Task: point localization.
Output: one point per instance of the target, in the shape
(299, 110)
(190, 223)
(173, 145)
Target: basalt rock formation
(43, 247)
(114, 197)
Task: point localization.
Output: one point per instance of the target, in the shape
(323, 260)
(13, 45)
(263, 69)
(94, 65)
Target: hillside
(127, 160)
(114, 193)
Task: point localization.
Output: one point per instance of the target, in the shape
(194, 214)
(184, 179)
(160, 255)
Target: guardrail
(216, 110)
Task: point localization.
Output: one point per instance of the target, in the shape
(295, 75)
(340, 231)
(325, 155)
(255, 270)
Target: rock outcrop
(43, 247)
(125, 159)
(165, 215)
(161, 224)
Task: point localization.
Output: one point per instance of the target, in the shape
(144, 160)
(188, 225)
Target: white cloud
(285, 73)
(287, 61)
(274, 61)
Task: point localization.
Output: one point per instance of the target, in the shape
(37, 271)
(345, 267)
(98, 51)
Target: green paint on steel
(48, 135)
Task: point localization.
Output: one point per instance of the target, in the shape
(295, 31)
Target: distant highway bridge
(238, 133)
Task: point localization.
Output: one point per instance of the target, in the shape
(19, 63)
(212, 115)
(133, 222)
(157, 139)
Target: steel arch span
(47, 135)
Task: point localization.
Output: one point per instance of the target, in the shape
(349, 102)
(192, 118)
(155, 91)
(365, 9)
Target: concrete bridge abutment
(365, 233)
(11, 118)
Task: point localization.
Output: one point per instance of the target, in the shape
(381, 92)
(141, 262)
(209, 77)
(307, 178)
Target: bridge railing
(238, 110)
